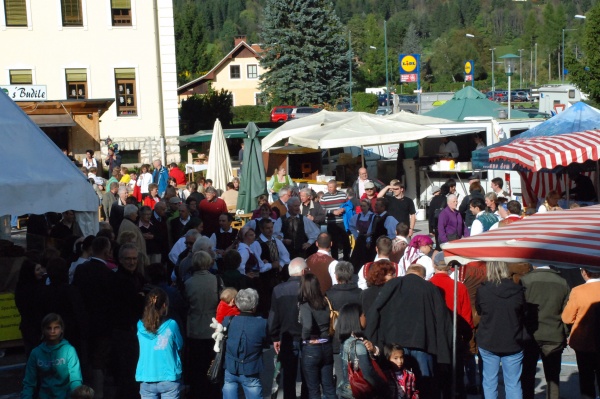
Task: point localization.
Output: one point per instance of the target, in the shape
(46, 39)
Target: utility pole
(493, 67)
(521, 68)
(350, 65)
(387, 87)
(536, 64)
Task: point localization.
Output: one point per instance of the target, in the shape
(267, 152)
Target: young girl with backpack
(159, 366)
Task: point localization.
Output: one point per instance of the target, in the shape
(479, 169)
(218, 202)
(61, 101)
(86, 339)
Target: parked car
(301, 112)
(410, 99)
(523, 94)
(384, 111)
(281, 113)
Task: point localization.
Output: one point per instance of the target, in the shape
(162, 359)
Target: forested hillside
(435, 28)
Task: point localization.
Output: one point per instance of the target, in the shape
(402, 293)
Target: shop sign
(26, 92)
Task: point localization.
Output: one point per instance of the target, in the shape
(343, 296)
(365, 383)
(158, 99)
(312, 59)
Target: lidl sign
(409, 67)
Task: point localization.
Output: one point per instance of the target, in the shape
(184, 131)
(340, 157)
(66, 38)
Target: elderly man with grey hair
(284, 329)
(280, 205)
(309, 208)
(186, 266)
(243, 352)
(299, 233)
(129, 223)
(116, 210)
(202, 294)
(450, 222)
(210, 208)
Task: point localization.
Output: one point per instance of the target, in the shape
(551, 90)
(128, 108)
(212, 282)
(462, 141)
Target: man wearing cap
(445, 284)
(370, 193)
(400, 206)
(173, 208)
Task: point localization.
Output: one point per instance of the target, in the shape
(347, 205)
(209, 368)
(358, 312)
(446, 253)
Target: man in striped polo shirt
(333, 202)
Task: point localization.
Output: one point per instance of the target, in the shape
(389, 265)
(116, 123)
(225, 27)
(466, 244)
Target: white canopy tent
(36, 176)
(348, 129)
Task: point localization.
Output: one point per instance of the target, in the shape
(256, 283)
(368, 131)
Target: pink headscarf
(412, 252)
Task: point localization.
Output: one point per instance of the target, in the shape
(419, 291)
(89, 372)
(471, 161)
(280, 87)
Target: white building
(109, 71)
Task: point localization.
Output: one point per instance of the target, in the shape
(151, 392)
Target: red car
(281, 113)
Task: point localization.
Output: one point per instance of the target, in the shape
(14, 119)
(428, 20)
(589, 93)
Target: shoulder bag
(217, 366)
(361, 388)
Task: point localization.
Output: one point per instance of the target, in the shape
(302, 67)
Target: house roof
(241, 48)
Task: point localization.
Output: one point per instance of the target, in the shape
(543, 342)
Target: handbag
(361, 388)
(217, 365)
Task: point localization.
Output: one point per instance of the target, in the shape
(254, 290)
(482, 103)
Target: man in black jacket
(96, 282)
(411, 312)
(284, 329)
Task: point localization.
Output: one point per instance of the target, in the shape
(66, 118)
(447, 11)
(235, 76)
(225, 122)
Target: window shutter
(16, 12)
(76, 75)
(21, 76)
(121, 4)
(125, 73)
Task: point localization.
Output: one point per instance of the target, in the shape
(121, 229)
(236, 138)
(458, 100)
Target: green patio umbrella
(253, 181)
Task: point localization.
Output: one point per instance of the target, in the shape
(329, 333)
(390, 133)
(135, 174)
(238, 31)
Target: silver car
(301, 112)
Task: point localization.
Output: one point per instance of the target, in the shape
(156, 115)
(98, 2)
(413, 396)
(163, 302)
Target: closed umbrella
(219, 162)
(254, 181)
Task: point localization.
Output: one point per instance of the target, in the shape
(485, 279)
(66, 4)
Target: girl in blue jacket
(159, 365)
(53, 366)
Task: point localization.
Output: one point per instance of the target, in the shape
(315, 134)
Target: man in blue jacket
(160, 177)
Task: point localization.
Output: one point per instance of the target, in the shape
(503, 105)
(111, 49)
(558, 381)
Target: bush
(250, 113)
(364, 102)
(200, 111)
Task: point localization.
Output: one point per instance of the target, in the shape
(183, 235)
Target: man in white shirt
(483, 220)
(497, 184)
(448, 148)
(272, 250)
(299, 233)
(359, 184)
(383, 249)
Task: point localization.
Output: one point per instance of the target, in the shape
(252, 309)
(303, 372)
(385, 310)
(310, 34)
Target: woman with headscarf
(416, 252)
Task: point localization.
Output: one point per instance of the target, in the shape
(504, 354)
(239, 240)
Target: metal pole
(350, 65)
(509, 96)
(535, 64)
(493, 67)
(530, 65)
(454, 332)
(387, 87)
(521, 68)
(562, 70)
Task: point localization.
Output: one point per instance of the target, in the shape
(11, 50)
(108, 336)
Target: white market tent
(36, 176)
(339, 129)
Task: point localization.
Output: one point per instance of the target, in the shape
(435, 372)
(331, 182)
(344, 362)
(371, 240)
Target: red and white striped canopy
(569, 238)
(549, 152)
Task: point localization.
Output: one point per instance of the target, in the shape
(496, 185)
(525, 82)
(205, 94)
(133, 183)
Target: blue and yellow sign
(409, 67)
(469, 70)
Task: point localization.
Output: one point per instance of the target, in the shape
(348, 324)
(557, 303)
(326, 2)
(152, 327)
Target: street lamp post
(387, 87)
(509, 68)
(493, 67)
(350, 65)
(535, 65)
(521, 68)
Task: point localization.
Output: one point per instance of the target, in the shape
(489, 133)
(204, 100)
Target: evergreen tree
(190, 42)
(412, 42)
(305, 52)
(585, 72)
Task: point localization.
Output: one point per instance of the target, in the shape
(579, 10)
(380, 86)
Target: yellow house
(238, 72)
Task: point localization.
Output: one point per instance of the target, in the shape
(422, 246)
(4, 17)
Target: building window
(76, 83)
(130, 156)
(15, 12)
(121, 12)
(259, 99)
(21, 77)
(234, 72)
(71, 12)
(253, 71)
(126, 92)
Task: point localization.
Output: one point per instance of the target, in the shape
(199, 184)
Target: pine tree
(190, 42)
(585, 72)
(305, 52)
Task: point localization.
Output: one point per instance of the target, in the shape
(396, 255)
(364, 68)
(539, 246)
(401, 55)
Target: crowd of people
(352, 301)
